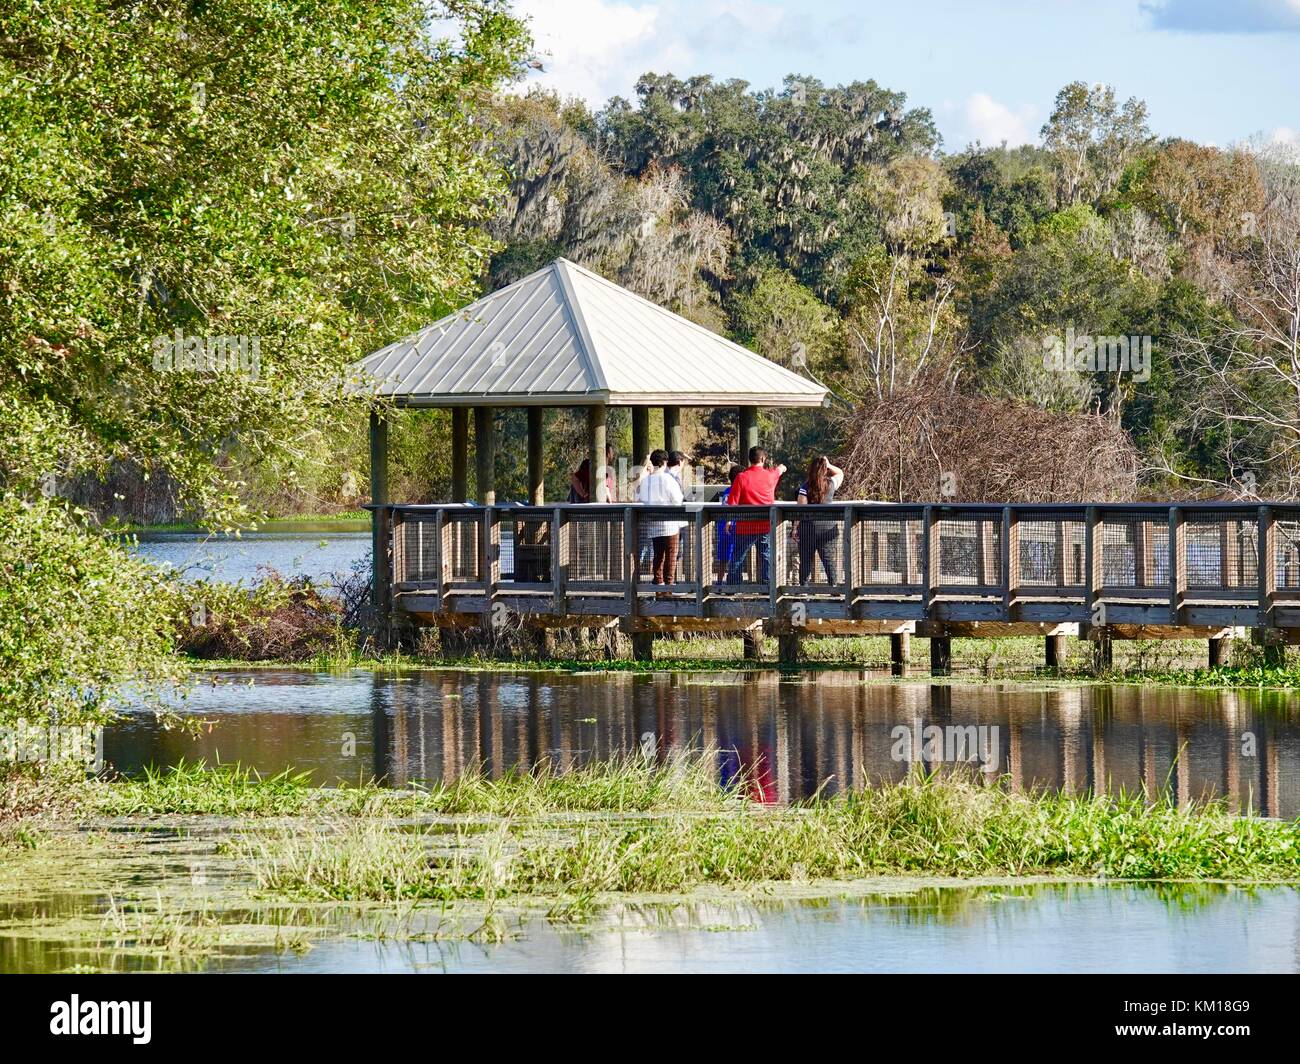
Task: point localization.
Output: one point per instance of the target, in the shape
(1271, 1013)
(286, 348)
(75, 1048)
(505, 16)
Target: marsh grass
(194, 788)
(642, 826)
(159, 927)
(619, 785)
(934, 826)
(631, 784)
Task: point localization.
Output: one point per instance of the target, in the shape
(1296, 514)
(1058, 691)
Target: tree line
(303, 184)
(935, 293)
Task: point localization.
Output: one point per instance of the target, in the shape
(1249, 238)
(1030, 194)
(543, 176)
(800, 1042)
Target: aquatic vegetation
(192, 787)
(621, 785)
(274, 617)
(159, 927)
(1173, 663)
(1254, 674)
(935, 826)
(272, 863)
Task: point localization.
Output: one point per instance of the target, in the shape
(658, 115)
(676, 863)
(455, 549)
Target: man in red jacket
(755, 486)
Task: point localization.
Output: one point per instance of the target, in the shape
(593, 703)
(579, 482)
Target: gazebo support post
(380, 574)
(597, 488)
(748, 431)
(672, 428)
(485, 456)
(459, 454)
(536, 476)
(640, 436)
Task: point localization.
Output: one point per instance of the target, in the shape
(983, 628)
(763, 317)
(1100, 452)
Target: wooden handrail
(1095, 564)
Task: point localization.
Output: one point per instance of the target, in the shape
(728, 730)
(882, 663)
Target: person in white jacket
(660, 488)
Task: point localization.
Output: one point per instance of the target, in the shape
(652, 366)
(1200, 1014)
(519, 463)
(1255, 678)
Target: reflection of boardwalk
(831, 730)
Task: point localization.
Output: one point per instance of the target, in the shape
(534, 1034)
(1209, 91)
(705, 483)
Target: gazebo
(567, 337)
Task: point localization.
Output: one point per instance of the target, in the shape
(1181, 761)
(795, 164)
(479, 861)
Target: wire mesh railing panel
(665, 551)
(1286, 551)
(814, 548)
(738, 546)
(525, 540)
(595, 548)
(645, 552)
(1051, 550)
(813, 551)
(1221, 552)
(970, 551)
(889, 549)
(415, 548)
(462, 551)
(1135, 551)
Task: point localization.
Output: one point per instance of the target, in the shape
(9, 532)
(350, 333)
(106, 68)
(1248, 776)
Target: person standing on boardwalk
(725, 533)
(678, 469)
(818, 537)
(644, 548)
(755, 486)
(580, 483)
(660, 488)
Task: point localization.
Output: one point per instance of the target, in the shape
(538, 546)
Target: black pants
(820, 538)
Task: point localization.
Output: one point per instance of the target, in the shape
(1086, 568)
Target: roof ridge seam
(694, 325)
(571, 301)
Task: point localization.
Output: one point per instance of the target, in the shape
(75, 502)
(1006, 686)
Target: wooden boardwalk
(1101, 572)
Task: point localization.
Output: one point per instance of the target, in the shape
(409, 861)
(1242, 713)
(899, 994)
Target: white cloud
(1285, 136)
(990, 122)
(596, 49)
(593, 48)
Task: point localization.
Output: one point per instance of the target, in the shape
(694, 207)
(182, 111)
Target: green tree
(778, 168)
(302, 180)
(1093, 138)
(1199, 192)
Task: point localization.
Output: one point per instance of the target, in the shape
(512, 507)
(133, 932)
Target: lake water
(1044, 929)
(321, 553)
(1037, 928)
(794, 732)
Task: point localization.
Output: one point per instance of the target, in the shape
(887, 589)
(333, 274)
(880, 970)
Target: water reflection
(1082, 927)
(792, 735)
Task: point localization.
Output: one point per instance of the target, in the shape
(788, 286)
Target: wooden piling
(787, 648)
(900, 653)
(940, 655)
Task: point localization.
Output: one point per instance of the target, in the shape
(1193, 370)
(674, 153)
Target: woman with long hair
(819, 537)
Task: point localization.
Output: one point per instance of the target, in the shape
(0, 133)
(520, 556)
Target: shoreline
(349, 521)
(1202, 678)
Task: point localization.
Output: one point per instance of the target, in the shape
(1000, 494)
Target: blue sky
(1215, 72)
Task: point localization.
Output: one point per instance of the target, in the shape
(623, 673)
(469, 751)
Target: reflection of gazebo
(565, 337)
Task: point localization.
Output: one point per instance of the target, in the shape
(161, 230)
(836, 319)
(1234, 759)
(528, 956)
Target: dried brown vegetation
(926, 445)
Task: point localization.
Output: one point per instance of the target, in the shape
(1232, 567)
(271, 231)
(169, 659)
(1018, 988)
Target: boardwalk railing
(1191, 565)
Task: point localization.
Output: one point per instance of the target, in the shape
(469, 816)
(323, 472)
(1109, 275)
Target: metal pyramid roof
(567, 336)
